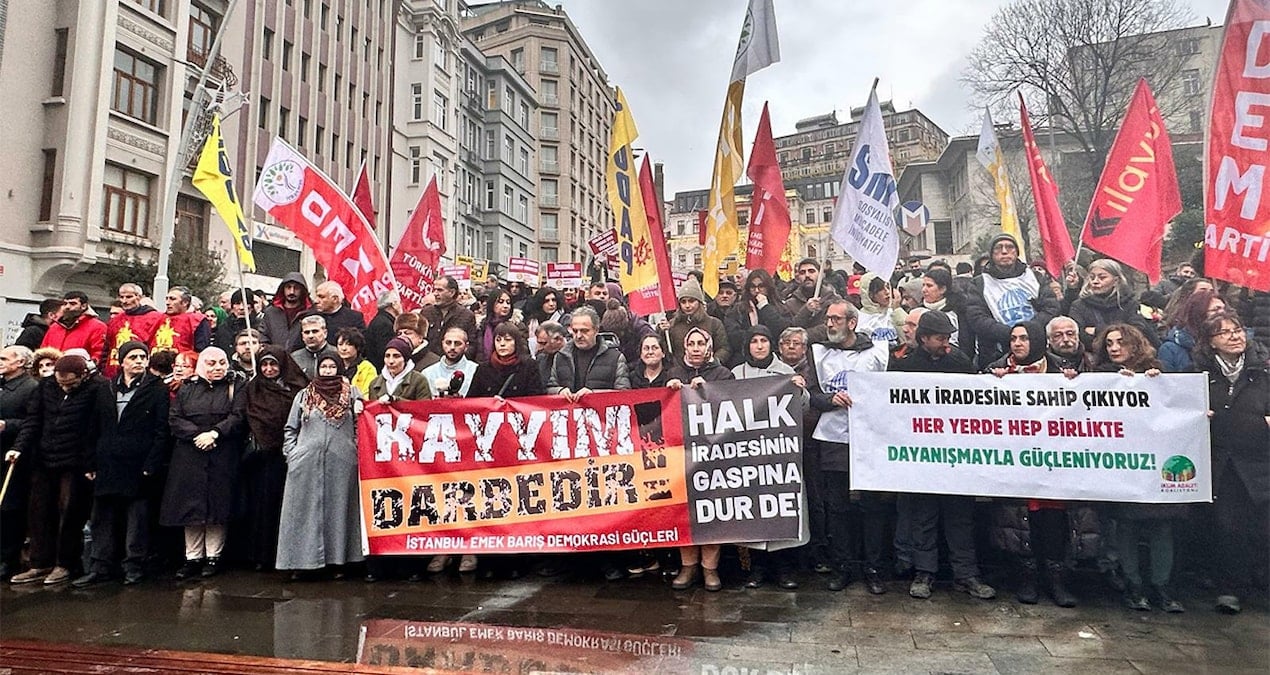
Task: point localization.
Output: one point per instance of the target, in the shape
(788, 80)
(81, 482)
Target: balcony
(473, 101)
(219, 72)
(549, 133)
(550, 201)
(549, 68)
(545, 166)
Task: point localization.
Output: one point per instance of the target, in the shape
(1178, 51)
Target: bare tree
(1077, 63)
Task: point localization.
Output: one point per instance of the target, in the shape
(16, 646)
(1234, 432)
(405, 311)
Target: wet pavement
(454, 623)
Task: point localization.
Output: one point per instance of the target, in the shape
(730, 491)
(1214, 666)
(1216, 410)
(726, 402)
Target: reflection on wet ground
(462, 624)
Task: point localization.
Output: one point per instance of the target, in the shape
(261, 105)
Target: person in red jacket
(137, 323)
(76, 327)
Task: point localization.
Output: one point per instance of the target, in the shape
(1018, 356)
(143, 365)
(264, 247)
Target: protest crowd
(200, 435)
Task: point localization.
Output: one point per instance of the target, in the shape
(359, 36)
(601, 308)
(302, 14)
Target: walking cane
(8, 475)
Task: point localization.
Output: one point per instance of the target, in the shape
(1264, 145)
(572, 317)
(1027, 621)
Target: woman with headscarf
(1239, 397)
(398, 381)
(498, 309)
(321, 516)
(757, 304)
(697, 368)
(264, 473)
(1034, 530)
(1123, 348)
(208, 422)
(879, 318)
(1108, 298)
(215, 317)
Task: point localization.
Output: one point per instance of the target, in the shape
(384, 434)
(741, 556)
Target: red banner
(660, 296)
(1137, 195)
(417, 255)
(617, 470)
(1237, 231)
(305, 201)
(362, 197)
(769, 212)
(1056, 242)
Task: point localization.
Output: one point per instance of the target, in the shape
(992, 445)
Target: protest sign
(604, 243)
(523, 270)
(1099, 436)
(618, 470)
(562, 275)
(462, 274)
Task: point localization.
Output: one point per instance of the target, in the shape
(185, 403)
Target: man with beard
(908, 333)
(181, 330)
(844, 351)
(447, 313)
(76, 327)
(692, 314)
(413, 328)
(802, 307)
(328, 303)
(585, 365)
(227, 331)
(935, 354)
(313, 333)
(137, 322)
(246, 346)
(35, 325)
(551, 337)
(723, 300)
(441, 375)
(128, 454)
(381, 328)
(1008, 292)
(1063, 337)
(281, 324)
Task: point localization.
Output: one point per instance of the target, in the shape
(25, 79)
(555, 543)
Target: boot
(1057, 574)
(686, 578)
(1027, 586)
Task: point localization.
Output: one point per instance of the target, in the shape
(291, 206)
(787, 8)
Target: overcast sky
(672, 58)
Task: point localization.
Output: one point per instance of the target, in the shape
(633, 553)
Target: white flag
(864, 220)
(986, 153)
(758, 47)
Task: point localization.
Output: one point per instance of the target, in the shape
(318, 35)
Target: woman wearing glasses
(756, 306)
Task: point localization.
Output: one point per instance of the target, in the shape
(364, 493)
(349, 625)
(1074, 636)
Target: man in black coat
(69, 412)
(328, 303)
(16, 388)
(128, 454)
(381, 328)
(1007, 293)
(34, 326)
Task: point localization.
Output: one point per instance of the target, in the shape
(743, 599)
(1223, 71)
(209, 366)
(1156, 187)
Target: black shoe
(1167, 603)
(921, 586)
(755, 580)
(1135, 599)
(91, 579)
(612, 573)
(133, 578)
(370, 578)
(838, 580)
(1057, 586)
(1027, 593)
(822, 568)
(189, 570)
(211, 567)
(786, 580)
(548, 568)
(873, 581)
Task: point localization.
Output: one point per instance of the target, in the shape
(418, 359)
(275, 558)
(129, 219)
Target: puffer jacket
(1175, 350)
(1011, 529)
(61, 429)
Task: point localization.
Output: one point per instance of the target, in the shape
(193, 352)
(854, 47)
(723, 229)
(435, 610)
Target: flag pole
(167, 217)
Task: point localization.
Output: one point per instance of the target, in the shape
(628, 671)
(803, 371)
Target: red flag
(306, 201)
(362, 198)
(658, 298)
(769, 212)
(702, 216)
(1137, 195)
(417, 255)
(1056, 243)
(1236, 217)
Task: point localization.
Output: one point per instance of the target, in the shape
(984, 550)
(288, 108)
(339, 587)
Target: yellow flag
(637, 266)
(993, 159)
(721, 222)
(212, 177)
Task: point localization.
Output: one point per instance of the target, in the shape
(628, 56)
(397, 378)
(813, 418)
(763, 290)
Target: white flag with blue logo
(864, 218)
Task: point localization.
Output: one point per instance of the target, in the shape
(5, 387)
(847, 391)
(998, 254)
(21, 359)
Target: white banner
(524, 270)
(1099, 436)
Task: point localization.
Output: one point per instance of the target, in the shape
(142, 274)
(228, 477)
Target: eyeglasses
(1229, 333)
(834, 318)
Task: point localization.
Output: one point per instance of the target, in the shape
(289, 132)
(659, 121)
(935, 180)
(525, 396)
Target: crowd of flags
(1136, 198)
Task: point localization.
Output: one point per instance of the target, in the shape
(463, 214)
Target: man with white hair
(328, 303)
(138, 322)
(16, 388)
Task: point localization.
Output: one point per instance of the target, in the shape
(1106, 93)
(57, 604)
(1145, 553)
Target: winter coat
(1255, 311)
(794, 308)
(87, 332)
(640, 381)
(274, 327)
(681, 323)
(61, 429)
(920, 361)
(34, 327)
(307, 359)
(993, 337)
(1098, 311)
(1175, 350)
(608, 370)
(378, 332)
(343, 317)
(737, 325)
(136, 442)
(413, 388)
(520, 379)
(441, 319)
(15, 400)
(712, 371)
(321, 515)
(201, 483)
(227, 331)
(1011, 529)
(1240, 435)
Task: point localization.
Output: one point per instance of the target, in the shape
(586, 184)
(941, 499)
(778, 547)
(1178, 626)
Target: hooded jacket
(34, 327)
(881, 323)
(87, 332)
(992, 335)
(275, 328)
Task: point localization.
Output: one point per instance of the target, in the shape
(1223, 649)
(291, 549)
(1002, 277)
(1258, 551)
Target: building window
(318, 135)
(523, 117)
(509, 100)
(59, 62)
(286, 55)
(548, 224)
(549, 60)
(191, 220)
(548, 123)
(518, 60)
(524, 161)
(46, 184)
(304, 67)
(262, 114)
(336, 86)
(443, 53)
(266, 45)
(489, 195)
(810, 216)
(509, 150)
(549, 254)
(551, 92)
(273, 260)
(136, 87)
(416, 101)
(827, 214)
(301, 131)
(348, 156)
(440, 107)
(416, 165)
(1197, 121)
(155, 6)
(508, 199)
(284, 121)
(127, 202)
(202, 32)
(1190, 82)
(324, 16)
(321, 77)
(522, 209)
(421, 45)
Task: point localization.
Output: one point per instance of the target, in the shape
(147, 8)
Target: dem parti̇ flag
(863, 219)
(1137, 195)
(1236, 218)
(757, 49)
(306, 201)
(993, 159)
(414, 261)
(1056, 243)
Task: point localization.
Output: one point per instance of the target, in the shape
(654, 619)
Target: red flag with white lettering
(417, 255)
(656, 298)
(362, 197)
(307, 202)
(1236, 217)
(1137, 195)
(1056, 242)
(769, 212)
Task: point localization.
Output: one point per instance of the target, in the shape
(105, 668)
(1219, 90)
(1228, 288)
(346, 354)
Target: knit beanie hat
(691, 289)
